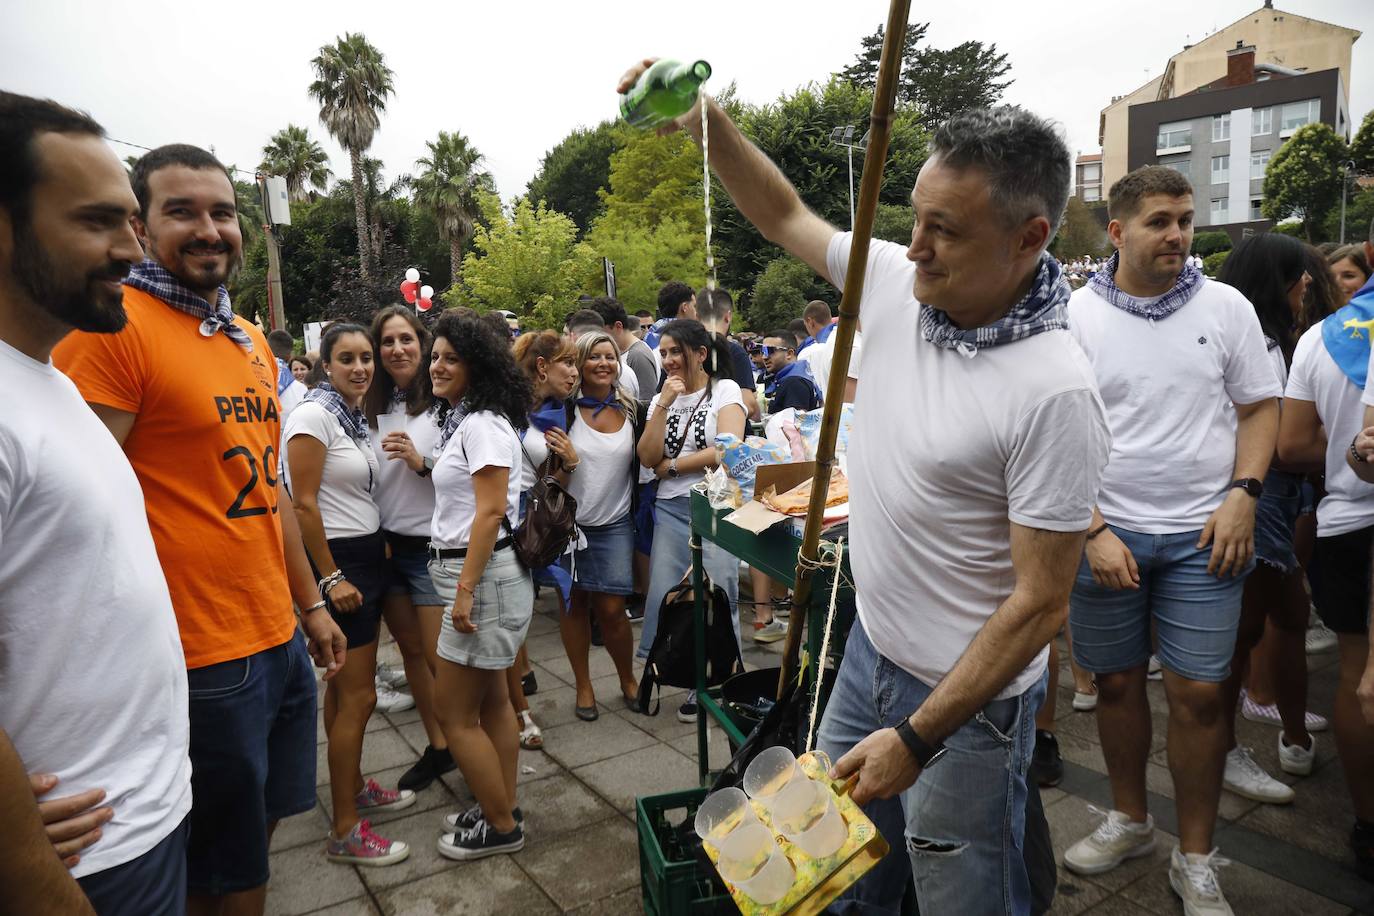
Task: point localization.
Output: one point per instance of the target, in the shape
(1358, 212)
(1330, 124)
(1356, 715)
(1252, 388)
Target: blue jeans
(963, 821)
(154, 884)
(1195, 612)
(672, 558)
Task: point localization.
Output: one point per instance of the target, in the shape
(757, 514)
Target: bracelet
(467, 589)
(572, 467)
(329, 581)
(1096, 531)
(1355, 453)
(314, 607)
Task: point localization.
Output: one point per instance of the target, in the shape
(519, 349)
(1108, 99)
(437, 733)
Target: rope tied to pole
(830, 556)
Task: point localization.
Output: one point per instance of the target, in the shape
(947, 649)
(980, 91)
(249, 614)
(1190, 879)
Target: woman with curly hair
(485, 590)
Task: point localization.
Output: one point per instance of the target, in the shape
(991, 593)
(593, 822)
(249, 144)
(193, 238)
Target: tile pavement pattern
(581, 855)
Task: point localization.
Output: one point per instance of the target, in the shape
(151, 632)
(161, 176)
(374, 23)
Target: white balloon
(412, 275)
(426, 292)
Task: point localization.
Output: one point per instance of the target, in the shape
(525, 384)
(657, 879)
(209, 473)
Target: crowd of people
(1171, 471)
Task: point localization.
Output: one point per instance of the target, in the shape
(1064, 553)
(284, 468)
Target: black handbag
(672, 658)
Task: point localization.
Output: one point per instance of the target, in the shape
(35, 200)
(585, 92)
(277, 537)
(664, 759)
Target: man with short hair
(675, 300)
(189, 389)
(819, 323)
(948, 657)
(788, 382)
(1191, 396)
(634, 353)
(715, 309)
(290, 392)
(91, 667)
(646, 318)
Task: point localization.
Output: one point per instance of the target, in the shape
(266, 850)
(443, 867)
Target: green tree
(1211, 265)
(527, 263)
(449, 185)
(1079, 233)
(573, 173)
(864, 71)
(1359, 214)
(1304, 180)
(645, 259)
(295, 156)
(654, 178)
(1362, 147)
(352, 82)
(1209, 243)
(892, 223)
(782, 291)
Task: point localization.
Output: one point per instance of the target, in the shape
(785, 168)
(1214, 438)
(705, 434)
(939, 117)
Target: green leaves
(294, 155)
(1304, 178)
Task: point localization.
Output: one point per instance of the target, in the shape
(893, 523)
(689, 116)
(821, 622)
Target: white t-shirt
(947, 451)
(484, 439)
(1169, 387)
(291, 396)
(92, 675)
(703, 410)
(602, 483)
(628, 380)
(534, 451)
(349, 476)
(405, 500)
(1280, 367)
(820, 355)
(1315, 377)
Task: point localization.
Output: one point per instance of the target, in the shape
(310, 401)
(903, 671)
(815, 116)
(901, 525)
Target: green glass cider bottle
(665, 91)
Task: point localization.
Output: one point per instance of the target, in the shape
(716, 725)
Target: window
(1255, 208)
(1261, 121)
(1218, 211)
(1177, 163)
(1092, 172)
(1221, 127)
(1174, 135)
(1221, 169)
(1296, 114)
(1259, 162)
(1092, 192)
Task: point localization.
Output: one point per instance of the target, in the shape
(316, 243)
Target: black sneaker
(687, 712)
(466, 820)
(431, 765)
(634, 607)
(1047, 767)
(480, 841)
(1362, 842)
(529, 684)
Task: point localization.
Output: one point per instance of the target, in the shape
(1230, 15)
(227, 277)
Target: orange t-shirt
(204, 445)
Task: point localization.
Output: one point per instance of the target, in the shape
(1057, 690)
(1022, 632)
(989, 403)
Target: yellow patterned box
(818, 881)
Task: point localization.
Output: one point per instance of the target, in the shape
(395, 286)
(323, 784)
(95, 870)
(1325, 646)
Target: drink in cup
(752, 861)
(721, 813)
(809, 819)
(772, 773)
(388, 423)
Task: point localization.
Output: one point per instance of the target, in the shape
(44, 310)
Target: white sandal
(531, 738)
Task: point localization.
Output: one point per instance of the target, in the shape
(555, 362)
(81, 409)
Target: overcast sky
(516, 76)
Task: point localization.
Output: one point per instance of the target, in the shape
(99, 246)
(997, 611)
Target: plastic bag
(742, 458)
(809, 424)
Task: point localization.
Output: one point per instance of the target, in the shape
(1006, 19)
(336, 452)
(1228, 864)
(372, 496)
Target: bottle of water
(665, 91)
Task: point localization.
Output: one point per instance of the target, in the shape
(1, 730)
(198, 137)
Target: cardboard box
(754, 516)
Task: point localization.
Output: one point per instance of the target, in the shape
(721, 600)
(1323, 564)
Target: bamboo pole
(880, 127)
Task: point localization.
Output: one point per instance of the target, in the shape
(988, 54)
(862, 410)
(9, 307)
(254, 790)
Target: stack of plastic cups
(801, 809)
(749, 857)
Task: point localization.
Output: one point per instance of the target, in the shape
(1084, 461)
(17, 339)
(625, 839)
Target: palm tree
(293, 155)
(351, 85)
(448, 186)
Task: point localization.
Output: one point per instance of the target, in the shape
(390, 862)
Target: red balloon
(409, 294)
(410, 288)
(426, 305)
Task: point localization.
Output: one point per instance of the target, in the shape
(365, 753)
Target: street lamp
(1346, 166)
(844, 136)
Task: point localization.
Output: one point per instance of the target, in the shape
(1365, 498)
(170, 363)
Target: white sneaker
(1155, 672)
(1320, 639)
(1114, 841)
(772, 631)
(389, 700)
(1194, 879)
(393, 676)
(1269, 715)
(1294, 758)
(1084, 702)
(1245, 778)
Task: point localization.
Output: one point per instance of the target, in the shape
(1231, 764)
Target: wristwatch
(926, 755)
(428, 467)
(1355, 453)
(1250, 485)
(672, 467)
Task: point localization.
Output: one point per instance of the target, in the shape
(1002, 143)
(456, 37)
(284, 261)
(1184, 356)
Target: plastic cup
(388, 423)
(721, 813)
(810, 820)
(770, 774)
(752, 861)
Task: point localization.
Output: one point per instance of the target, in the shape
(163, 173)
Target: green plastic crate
(671, 881)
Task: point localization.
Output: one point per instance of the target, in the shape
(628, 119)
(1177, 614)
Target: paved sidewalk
(581, 855)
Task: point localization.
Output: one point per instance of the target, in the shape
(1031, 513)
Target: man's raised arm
(760, 190)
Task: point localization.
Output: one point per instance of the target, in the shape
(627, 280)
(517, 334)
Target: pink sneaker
(1269, 715)
(363, 847)
(374, 798)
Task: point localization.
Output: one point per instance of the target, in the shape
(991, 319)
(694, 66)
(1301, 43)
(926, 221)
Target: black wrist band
(924, 753)
(1096, 531)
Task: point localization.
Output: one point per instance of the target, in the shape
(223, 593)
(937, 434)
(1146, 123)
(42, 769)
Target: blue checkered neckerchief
(1155, 308)
(350, 418)
(156, 280)
(1044, 308)
(450, 424)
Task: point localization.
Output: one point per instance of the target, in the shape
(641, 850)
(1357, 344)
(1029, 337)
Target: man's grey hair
(1026, 160)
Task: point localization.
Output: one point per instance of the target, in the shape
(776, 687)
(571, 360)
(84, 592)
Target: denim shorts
(1339, 575)
(606, 564)
(154, 884)
(501, 608)
(644, 517)
(1276, 513)
(365, 566)
(1195, 613)
(410, 570)
(252, 762)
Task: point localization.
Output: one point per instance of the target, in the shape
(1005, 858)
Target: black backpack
(672, 659)
(550, 521)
